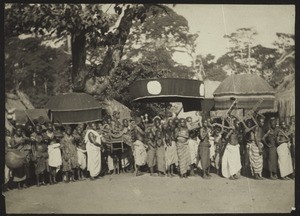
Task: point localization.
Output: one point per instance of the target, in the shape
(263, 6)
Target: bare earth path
(125, 193)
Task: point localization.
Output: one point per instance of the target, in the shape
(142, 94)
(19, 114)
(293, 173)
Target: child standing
(55, 160)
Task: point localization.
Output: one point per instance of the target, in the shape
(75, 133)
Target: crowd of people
(165, 147)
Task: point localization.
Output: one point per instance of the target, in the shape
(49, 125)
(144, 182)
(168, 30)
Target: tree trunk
(113, 54)
(78, 61)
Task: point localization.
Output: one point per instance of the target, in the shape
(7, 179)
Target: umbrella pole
(29, 118)
(165, 110)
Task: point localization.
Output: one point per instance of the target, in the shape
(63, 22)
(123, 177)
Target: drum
(14, 159)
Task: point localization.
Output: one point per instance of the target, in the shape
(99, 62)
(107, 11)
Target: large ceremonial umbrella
(74, 108)
(248, 89)
(189, 92)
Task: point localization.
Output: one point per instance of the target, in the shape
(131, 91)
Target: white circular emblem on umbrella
(154, 87)
(201, 89)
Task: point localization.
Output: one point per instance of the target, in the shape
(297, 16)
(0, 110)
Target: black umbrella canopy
(74, 108)
(188, 91)
(248, 89)
(166, 90)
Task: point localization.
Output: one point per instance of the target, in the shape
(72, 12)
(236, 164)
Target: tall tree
(87, 24)
(285, 62)
(36, 69)
(212, 70)
(242, 41)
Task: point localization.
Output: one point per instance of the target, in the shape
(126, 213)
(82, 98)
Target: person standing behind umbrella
(184, 157)
(93, 141)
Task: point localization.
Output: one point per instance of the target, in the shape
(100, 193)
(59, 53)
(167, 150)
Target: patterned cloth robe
(183, 151)
(69, 153)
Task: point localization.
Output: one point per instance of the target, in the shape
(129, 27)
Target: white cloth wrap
(93, 154)
(231, 160)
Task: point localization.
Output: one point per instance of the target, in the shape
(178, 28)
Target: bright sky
(213, 21)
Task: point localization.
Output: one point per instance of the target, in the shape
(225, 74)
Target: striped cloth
(256, 160)
(184, 156)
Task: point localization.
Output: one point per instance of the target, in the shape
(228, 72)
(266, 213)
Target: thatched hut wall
(285, 98)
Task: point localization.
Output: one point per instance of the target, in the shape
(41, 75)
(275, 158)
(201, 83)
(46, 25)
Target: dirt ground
(126, 193)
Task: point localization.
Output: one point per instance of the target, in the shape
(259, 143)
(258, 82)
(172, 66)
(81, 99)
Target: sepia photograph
(149, 108)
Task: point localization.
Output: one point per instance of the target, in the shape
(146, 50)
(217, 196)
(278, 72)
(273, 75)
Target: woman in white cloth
(55, 160)
(93, 142)
(231, 160)
(139, 148)
(284, 154)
